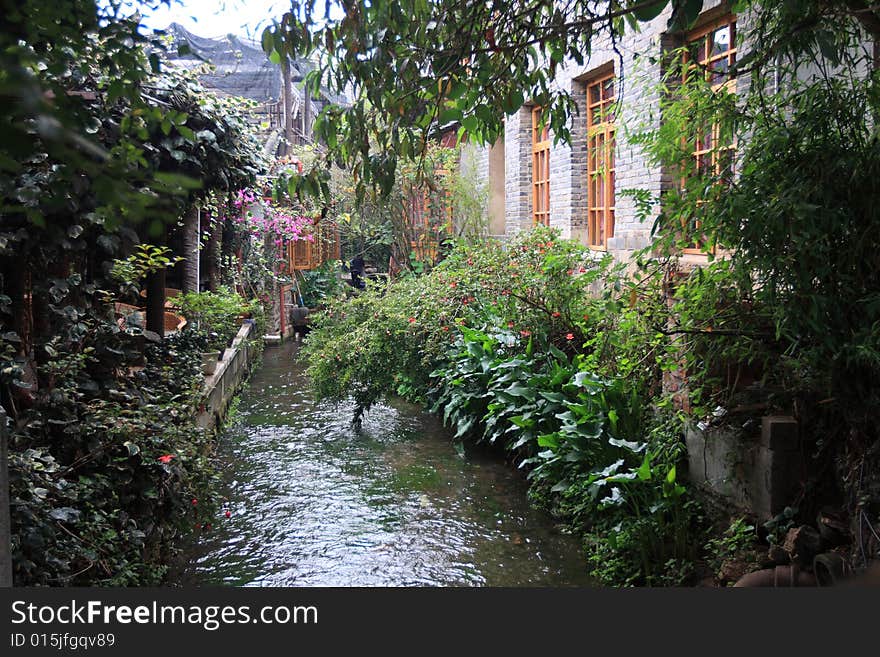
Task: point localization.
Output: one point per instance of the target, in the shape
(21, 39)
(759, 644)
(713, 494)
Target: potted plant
(209, 351)
(209, 362)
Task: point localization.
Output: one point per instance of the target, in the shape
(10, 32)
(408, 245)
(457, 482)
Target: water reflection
(315, 503)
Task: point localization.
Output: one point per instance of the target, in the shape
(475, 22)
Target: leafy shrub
(549, 355)
(217, 313)
(320, 284)
(107, 466)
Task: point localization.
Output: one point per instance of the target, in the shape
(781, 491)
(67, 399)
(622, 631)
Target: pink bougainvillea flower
(166, 458)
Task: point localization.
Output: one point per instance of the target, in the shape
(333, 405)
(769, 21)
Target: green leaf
(644, 471)
(268, 41)
(649, 12)
(519, 390)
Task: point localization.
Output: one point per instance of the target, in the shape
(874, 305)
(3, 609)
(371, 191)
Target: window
(540, 169)
(600, 161)
(712, 49)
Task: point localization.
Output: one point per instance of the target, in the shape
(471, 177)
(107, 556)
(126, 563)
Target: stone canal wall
(221, 386)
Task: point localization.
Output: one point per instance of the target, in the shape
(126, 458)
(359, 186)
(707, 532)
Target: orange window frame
(540, 169)
(601, 146)
(712, 48)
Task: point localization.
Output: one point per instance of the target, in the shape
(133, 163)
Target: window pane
(719, 71)
(720, 41)
(608, 88)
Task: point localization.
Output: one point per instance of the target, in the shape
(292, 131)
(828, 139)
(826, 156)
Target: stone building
(577, 187)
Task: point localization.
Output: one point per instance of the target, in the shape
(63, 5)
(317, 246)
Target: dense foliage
(418, 66)
(104, 150)
(218, 315)
(539, 350)
(107, 468)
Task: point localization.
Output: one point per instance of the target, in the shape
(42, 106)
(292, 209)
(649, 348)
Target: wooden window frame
(601, 167)
(540, 169)
(706, 61)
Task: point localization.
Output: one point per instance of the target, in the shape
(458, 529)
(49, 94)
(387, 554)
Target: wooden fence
(306, 254)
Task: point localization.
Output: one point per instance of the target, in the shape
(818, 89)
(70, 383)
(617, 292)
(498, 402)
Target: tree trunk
(156, 302)
(191, 250)
(5, 520)
(287, 99)
(214, 246)
(156, 293)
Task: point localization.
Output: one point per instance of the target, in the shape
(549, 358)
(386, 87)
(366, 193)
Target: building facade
(578, 187)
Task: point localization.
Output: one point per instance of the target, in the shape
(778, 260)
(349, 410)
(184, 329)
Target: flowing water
(313, 502)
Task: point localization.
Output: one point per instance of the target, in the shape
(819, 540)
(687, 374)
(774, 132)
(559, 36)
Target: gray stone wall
(518, 171)
(636, 62)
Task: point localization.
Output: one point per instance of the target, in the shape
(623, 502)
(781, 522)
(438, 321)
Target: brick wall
(635, 60)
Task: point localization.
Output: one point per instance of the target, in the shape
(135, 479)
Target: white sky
(208, 18)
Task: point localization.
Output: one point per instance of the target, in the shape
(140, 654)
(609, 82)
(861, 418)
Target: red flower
(582, 270)
(509, 324)
(412, 320)
(445, 328)
(556, 313)
(525, 333)
(166, 458)
(453, 284)
(569, 336)
(195, 501)
(228, 513)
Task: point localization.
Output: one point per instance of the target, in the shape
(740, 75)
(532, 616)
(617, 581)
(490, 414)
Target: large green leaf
(647, 12)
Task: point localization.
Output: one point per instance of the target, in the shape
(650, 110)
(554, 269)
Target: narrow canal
(315, 503)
